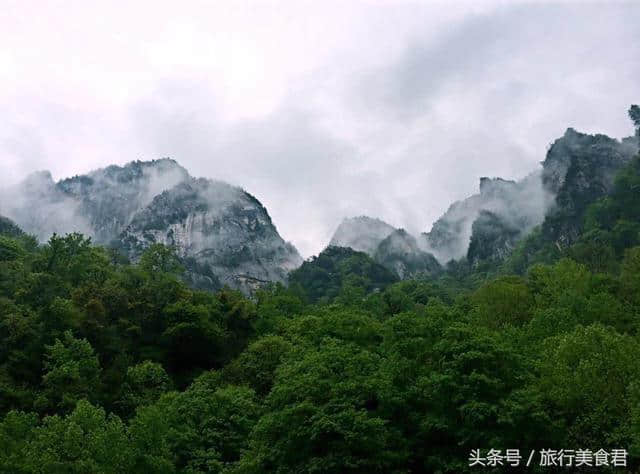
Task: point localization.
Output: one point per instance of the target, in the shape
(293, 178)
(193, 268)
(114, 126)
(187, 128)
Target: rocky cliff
(579, 169)
(486, 226)
(517, 205)
(223, 235)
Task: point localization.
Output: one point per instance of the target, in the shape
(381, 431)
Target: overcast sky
(321, 110)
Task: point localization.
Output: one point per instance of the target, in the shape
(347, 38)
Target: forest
(112, 367)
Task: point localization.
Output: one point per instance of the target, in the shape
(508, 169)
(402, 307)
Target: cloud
(321, 111)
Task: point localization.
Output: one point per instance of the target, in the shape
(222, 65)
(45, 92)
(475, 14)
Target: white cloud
(322, 110)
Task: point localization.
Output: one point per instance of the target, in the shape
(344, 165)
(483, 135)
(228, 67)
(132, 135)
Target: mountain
(518, 205)
(323, 277)
(486, 227)
(580, 168)
(400, 252)
(362, 233)
(492, 238)
(110, 198)
(8, 227)
(223, 234)
(395, 249)
(493, 220)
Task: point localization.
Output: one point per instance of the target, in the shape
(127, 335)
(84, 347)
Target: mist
(520, 206)
(361, 233)
(100, 204)
(40, 209)
(386, 109)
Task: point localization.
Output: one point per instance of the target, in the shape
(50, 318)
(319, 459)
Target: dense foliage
(323, 277)
(111, 367)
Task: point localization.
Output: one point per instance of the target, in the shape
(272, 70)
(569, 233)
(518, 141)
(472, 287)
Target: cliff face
(580, 168)
(401, 253)
(486, 226)
(492, 238)
(222, 234)
(109, 198)
(518, 205)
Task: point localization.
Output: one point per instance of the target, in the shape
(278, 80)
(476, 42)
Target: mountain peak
(400, 252)
(223, 234)
(493, 186)
(361, 233)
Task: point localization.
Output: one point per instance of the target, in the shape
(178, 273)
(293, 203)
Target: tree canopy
(107, 366)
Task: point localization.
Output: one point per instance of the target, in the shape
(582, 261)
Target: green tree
(72, 372)
(585, 379)
(204, 429)
(86, 440)
(630, 276)
(10, 249)
(159, 258)
(332, 396)
(144, 384)
(503, 301)
(256, 366)
(634, 115)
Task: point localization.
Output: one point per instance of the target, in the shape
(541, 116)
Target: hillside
(112, 367)
(222, 234)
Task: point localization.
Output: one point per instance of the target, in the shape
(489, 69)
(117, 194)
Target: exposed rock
(222, 234)
(520, 205)
(492, 238)
(580, 168)
(596, 148)
(218, 228)
(400, 252)
(110, 197)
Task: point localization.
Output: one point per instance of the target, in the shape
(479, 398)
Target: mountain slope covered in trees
(111, 367)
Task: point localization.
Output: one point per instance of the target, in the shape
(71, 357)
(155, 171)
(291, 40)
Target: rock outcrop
(486, 226)
(401, 253)
(579, 169)
(517, 205)
(223, 235)
(492, 238)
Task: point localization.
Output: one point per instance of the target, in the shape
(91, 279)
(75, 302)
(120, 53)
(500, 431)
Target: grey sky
(322, 110)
